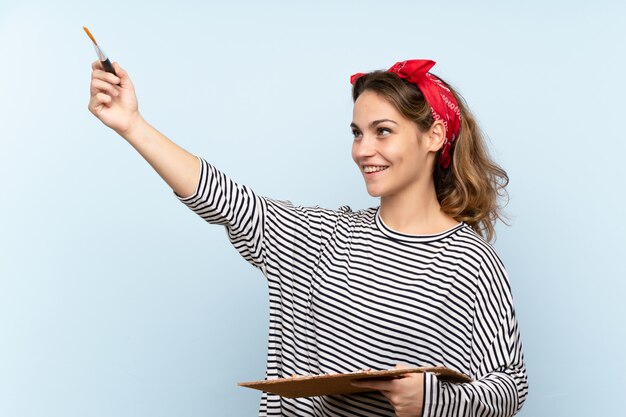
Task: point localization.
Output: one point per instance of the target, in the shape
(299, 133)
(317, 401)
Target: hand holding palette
(334, 384)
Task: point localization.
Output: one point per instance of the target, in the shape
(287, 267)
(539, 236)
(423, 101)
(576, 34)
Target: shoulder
(490, 270)
(492, 279)
(477, 247)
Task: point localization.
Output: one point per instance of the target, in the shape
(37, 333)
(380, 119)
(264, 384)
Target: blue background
(116, 300)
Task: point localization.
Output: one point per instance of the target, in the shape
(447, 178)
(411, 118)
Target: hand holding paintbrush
(113, 99)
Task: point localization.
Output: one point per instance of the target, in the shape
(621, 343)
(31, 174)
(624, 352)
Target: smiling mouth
(372, 169)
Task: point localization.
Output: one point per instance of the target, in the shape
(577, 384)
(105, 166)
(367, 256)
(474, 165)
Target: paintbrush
(108, 67)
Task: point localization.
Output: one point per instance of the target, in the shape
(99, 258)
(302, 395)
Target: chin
(374, 192)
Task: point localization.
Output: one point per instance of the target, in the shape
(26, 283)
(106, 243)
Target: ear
(436, 136)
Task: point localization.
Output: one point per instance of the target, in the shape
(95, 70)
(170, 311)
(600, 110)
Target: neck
(415, 211)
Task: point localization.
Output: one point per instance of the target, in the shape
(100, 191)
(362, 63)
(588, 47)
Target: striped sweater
(346, 292)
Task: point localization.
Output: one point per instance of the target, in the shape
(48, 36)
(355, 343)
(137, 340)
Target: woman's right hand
(113, 99)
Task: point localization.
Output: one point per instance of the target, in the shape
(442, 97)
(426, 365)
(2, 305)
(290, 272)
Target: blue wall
(116, 300)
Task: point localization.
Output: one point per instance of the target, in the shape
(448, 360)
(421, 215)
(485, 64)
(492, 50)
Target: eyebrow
(374, 123)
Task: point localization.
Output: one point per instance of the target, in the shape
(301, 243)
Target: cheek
(407, 159)
(399, 155)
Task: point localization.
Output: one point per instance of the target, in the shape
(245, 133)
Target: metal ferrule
(101, 55)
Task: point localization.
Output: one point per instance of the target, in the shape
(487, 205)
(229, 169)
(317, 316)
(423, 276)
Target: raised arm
(114, 102)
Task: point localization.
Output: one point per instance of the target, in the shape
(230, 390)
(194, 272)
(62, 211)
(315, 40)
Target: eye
(356, 134)
(383, 131)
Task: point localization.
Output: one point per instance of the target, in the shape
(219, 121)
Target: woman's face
(390, 151)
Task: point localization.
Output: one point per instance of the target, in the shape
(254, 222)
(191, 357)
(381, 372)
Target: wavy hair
(471, 188)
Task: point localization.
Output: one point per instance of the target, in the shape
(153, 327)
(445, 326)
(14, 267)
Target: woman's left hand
(406, 394)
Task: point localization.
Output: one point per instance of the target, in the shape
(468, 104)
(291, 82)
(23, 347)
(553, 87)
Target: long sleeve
(219, 200)
(268, 233)
(500, 383)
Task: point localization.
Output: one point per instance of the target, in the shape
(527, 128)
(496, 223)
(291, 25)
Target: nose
(364, 147)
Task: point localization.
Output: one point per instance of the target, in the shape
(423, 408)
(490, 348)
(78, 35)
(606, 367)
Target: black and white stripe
(346, 292)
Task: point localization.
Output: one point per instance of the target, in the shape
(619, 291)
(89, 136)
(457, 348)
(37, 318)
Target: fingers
(112, 97)
(100, 86)
(103, 82)
(125, 81)
(97, 102)
(120, 76)
(103, 87)
(105, 76)
(102, 98)
(120, 71)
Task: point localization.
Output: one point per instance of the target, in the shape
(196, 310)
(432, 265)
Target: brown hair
(469, 189)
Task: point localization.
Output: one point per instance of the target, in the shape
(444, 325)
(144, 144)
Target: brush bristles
(90, 35)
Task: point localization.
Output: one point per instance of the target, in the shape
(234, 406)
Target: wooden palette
(334, 384)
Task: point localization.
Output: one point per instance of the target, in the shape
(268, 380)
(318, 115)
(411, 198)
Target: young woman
(412, 281)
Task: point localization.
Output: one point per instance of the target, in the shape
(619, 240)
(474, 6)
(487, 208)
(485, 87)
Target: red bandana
(441, 100)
